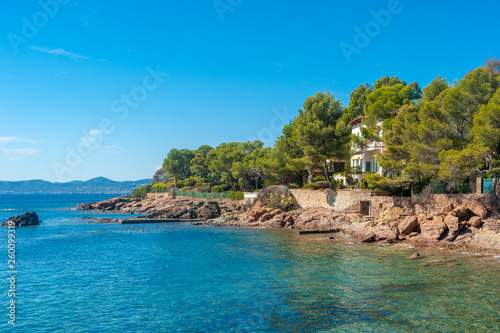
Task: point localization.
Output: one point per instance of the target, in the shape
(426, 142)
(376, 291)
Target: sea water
(73, 276)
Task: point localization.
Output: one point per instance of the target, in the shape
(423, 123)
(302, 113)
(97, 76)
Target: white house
(366, 160)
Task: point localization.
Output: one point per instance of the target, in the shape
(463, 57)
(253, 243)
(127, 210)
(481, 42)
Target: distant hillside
(98, 185)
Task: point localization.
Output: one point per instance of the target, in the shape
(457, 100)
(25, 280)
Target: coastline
(389, 228)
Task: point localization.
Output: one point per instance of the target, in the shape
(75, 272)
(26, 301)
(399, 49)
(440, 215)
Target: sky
(107, 88)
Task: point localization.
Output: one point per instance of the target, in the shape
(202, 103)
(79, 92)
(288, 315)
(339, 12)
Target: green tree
(436, 87)
(357, 103)
(486, 131)
(384, 102)
(199, 163)
(177, 164)
(320, 132)
(224, 156)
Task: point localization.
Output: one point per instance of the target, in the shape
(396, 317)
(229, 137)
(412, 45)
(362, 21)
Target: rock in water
(29, 219)
(415, 255)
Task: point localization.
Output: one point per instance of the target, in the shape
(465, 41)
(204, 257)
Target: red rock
(453, 225)
(446, 209)
(387, 234)
(475, 221)
(461, 212)
(408, 225)
(433, 229)
(477, 208)
(365, 235)
(317, 218)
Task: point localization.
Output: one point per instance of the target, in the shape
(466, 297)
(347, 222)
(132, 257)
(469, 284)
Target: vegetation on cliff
(447, 132)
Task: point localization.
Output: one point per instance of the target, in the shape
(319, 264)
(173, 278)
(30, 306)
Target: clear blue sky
(236, 72)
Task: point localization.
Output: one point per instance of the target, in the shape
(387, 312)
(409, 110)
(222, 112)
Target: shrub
(293, 185)
(236, 195)
(188, 182)
(225, 187)
(281, 201)
(216, 189)
(310, 186)
(322, 184)
(160, 187)
(318, 179)
(204, 189)
(140, 192)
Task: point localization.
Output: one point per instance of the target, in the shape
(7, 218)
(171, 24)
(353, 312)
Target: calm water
(79, 277)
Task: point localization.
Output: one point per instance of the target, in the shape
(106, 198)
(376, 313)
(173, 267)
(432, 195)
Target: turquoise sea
(79, 277)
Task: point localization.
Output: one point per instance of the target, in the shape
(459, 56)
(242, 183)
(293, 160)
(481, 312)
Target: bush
(322, 184)
(281, 201)
(216, 189)
(188, 182)
(318, 179)
(310, 186)
(140, 192)
(236, 195)
(204, 189)
(293, 185)
(161, 187)
(374, 181)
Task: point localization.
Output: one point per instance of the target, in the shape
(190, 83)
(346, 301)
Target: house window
(374, 164)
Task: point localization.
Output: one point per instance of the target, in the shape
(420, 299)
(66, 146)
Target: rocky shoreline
(472, 225)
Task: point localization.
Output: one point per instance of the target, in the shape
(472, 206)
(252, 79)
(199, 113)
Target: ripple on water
(78, 277)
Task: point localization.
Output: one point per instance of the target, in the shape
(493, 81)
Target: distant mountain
(99, 185)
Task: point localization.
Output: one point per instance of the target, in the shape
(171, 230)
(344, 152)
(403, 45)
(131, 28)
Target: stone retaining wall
(156, 195)
(341, 200)
(350, 200)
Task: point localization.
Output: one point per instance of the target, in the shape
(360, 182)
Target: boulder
(256, 212)
(28, 219)
(387, 234)
(209, 210)
(434, 229)
(453, 225)
(461, 212)
(317, 218)
(475, 221)
(446, 209)
(85, 206)
(365, 235)
(477, 208)
(408, 225)
(415, 255)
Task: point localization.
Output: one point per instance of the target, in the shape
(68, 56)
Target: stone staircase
(493, 225)
(492, 220)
